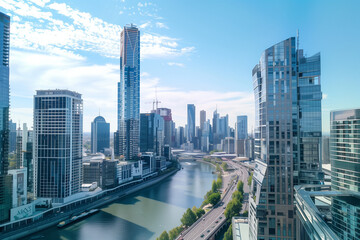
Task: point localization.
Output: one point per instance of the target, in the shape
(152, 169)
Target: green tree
(219, 183)
(173, 233)
(188, 218)
(228, 234)
(240, 187)
(232, 209)
(199, 212)
(224, 166)
(238, 196)
(214, 198)
(214, 187)
(164, 236)
(246, 213)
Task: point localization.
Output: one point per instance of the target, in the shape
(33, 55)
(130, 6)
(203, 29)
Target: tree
(224, 166)
(199, 212)
(173, 233)
(164, 236)
(219, 183)
(238, 196)
(188, 218)
(246, 213)
(228, 234)
(232, 209)
(214, 198)
(214, 187)
(240, 187)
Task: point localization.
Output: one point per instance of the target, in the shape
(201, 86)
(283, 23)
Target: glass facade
(128, 133)
(152, 133)
(58, 119)
(190, 122)
(345, 171)
(5, 185)
(241, 127)
(100, 135)
(287, 137)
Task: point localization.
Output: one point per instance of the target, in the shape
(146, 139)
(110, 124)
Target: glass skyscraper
(190, 122)
(345, 172)
(128, 135)
(100, 135)
(58, 128)
(287, 137)
(5, 183)
(241, 127)
(152, 136)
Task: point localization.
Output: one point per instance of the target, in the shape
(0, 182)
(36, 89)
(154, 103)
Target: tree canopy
(188, 218)
(214, 198)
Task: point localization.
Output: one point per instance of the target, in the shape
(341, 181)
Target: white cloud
(76, 31)
(161, 25)
(176, 64)
(30, 71)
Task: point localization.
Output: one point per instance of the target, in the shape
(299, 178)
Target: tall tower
(241, 127)
(128, 135)
(287, 137)
(100, 135)
(5, 185)
(58, 134)
(191, 121)
(202, 119)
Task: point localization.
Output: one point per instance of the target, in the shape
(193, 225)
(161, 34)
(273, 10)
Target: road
(206, 226)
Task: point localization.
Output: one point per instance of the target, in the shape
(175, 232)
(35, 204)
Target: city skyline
(170, 54)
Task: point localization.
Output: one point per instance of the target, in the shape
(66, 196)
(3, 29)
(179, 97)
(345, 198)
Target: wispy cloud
(176, 64)
(57, 28)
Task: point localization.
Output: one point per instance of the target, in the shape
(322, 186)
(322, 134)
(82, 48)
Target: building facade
(58, 129)
(287, 137)
(202, 119)
(100, 135)
(345, 171)
(128, 134)
(152, 133)
(241, 127)
(190, 122)
(5, 179)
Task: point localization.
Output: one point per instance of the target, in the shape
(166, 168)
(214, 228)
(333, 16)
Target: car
(208, 230)
(202, 235)
(203, 219)
(220, 217)
(224, 207)
(216, 221)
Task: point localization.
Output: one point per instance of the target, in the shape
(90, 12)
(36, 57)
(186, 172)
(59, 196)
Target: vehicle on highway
(202, 235)
(220, 217)
(208, 230)
(203, 219)
(216, 221)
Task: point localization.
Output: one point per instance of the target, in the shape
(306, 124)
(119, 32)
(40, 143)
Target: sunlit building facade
(287, 137)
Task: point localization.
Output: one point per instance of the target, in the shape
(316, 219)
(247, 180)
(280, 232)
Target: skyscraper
(241, 127)
(190, 122)
(287, 137)
(58, 119)
(202, 118)
(128, 134)
(152, 133)
(165, 113)
(345, 172)
(5, 180)
(100, 135)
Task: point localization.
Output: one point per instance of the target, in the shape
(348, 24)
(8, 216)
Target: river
(145, 214)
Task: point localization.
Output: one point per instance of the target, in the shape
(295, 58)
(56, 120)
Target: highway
(211, 221)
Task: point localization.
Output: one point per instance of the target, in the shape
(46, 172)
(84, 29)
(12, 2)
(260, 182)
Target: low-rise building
(124, 171)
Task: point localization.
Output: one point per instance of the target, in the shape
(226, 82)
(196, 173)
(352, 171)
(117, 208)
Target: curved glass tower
(100, 135)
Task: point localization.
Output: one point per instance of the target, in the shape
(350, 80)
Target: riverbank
(52, 221)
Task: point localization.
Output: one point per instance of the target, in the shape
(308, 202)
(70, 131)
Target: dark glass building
(287, 137)
(5, 179)
(100, 135)
(190, 122)
(128, 134)
(152, 133)
(58, 128)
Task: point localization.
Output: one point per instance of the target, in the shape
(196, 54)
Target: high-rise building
(205, 136)
(128, 134)
(202, 118)
(5, 179)
(152, 133)
(325, 149)
(12, 143)
(190, 122)
(180, 136)
(100, 135)
(241, 127)
(165, 113)
(345, 172)
(287, 137)
(58, 129)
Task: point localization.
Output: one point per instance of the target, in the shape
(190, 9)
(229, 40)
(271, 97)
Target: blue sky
(199, 52)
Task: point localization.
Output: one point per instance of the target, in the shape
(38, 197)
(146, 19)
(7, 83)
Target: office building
(5, 179)
(165, 113)
(202, 118)
(205, 136)
(228, 145)
(128, 134)
(100, 135)
(58, 129)
(152, 133)
(345, 171)
(326, 149)
(190, 122)
(241, 128)
(287, 137)
(12, 143)
(180, 136)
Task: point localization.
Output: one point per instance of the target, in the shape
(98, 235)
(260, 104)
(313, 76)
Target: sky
(199, 52)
